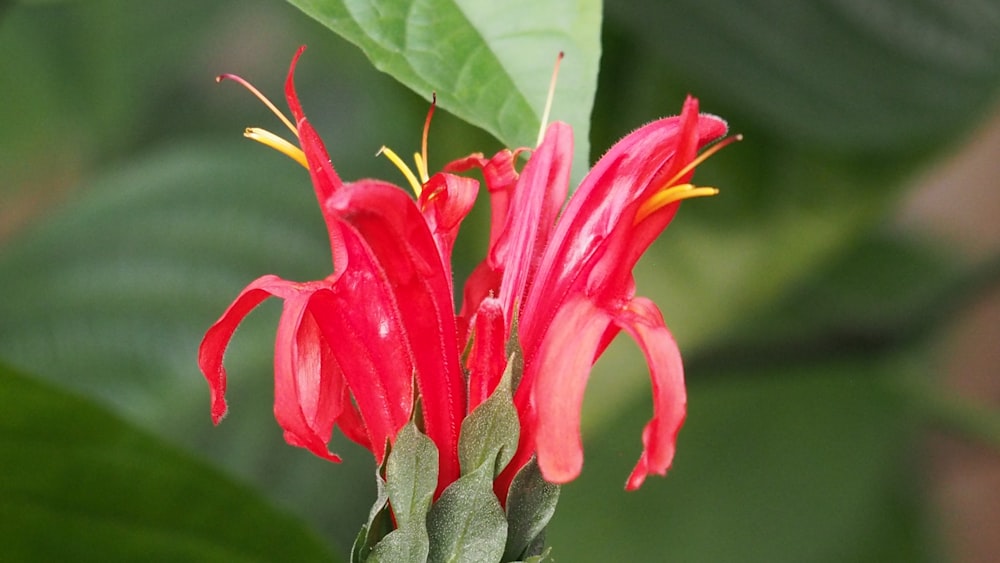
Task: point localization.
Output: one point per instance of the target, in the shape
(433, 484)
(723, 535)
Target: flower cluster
(356, 349)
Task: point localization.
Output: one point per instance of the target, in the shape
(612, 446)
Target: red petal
(500, 176)
(290, 94)
(560, 376)
(604, 205)
(399, 239)
(644, 322)
(213, 345)
(307, 383)
(488, 358)
(483, 282)
(324, 177)
(359, 316)
(540, 193)
(445, 201)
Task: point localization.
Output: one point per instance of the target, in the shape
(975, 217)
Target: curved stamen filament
(672, 192)
(703, 157)
(410, 177)
(548, 99)
(261, 97)
(269, 139)
(421, 157)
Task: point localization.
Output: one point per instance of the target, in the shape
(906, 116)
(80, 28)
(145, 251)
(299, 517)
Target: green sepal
(406, 480)
(411, 476)
(491, 431)
(379, 522)
(543, 556)
(467, 523)
(531, 502)
(410, 479)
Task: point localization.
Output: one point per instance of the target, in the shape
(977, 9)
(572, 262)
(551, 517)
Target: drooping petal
(213, 345)
(308, 387)
(644, 322)
(561, 371)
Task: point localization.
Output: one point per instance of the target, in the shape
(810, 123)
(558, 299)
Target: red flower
(568, 278)
(349, 347)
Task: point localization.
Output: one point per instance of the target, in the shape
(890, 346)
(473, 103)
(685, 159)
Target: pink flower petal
(538, 197)
(213, 345)
(560, 377)
(487, 358)
(643, 321)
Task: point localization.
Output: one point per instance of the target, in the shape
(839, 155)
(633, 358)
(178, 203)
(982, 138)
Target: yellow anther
(663, 198)
(421, 167)
(410, 177)
(268, 138)
(672, 192)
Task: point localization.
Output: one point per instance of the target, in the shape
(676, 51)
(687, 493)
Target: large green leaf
(845, 75)
(82, 485)
(489, 62)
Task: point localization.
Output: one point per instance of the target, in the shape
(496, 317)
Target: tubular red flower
(581, 292)
(349, 348)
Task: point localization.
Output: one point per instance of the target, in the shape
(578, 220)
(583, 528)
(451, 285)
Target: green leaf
(467, 524)
(839, 74)
(489, 62)
(531, 502)
(491, 431)
(80, 484)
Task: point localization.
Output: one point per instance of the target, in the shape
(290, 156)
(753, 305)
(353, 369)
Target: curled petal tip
(219, 411)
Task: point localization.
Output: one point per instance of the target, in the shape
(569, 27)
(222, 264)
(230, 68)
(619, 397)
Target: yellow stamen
(703, 157)
(421, 167)
(269, 139)
(410, 177)
(672, 192)
(262, 98)
(548, 99)
(665, 197)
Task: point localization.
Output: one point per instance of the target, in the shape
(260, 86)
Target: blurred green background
(837, 304)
